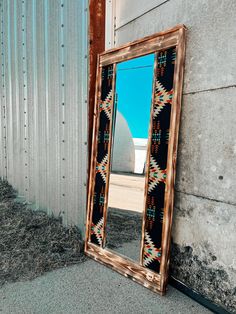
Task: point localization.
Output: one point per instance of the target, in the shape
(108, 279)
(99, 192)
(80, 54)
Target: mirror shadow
(133, 97)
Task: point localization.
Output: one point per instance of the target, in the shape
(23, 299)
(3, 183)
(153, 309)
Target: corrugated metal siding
(44, 103)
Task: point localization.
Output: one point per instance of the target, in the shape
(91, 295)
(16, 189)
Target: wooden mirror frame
(167, 44)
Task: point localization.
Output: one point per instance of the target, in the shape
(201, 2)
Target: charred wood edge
(125, 266)
(196, 296)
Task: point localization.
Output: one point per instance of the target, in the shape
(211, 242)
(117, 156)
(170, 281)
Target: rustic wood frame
(157, 282)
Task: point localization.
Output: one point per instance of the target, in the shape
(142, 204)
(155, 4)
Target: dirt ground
(126, 191)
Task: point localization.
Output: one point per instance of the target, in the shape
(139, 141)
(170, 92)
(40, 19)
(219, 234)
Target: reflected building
(129, 154)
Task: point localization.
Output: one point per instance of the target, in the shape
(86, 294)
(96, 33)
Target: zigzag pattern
(102, 168)
(106, 105)
(161, 98)
(156, 175)
(151, 253)
(98, 230)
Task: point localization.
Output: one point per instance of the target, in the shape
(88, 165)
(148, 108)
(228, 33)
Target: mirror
(133, 158)
(131, 119)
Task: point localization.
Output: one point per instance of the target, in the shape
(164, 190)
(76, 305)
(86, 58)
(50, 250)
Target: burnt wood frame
(157, 282)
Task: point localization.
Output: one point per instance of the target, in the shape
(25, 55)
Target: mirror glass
(132, 105)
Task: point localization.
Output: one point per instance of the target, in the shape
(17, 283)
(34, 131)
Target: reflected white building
(129, 154)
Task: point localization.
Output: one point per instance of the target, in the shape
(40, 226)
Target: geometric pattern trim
(159, 141)
(102, 168)
(102, 162)
(97, 230)
(106, 105)
(156, 175)
(151, 253)
(162, 97)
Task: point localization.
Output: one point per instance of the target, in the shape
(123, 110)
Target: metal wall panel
(43, 98)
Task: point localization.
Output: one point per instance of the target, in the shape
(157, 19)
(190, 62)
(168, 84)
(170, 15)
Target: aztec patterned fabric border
(163, 95)
(105, 122)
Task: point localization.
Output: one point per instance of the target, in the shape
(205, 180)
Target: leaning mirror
(132, 171)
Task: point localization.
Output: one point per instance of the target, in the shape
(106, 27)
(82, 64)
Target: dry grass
(31, 242)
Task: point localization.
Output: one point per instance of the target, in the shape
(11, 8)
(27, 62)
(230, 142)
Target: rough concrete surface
(207, 145)
(203, 256)
(90, 288)
(211, 43)
(205, 207)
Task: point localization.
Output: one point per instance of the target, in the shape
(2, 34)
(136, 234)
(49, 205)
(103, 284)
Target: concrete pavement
(90, 288)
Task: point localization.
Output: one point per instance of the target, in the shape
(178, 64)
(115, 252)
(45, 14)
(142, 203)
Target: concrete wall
(204, 249)
(43, 98)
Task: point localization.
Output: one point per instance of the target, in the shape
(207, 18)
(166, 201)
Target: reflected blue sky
(134, 93)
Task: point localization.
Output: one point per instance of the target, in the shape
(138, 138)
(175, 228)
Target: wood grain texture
(140, 274)
(146, 45)
(125, 267)
(96, 46)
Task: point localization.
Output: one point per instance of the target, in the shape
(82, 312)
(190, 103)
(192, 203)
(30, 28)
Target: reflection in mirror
(128, 155)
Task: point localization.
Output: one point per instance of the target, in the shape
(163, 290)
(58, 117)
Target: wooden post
(96, 46)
